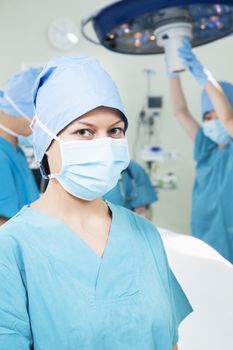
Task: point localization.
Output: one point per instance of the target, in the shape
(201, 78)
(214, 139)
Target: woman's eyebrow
(83, 123)
(119, 121)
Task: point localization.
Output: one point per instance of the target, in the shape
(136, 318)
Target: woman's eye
(117, 132)
(83, 133)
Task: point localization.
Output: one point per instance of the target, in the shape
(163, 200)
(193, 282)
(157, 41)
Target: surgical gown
(17, 184)
(134, 189)
(56, 293)
(212, 203)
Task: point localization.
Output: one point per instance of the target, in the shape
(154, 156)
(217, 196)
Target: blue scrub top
(132, 193)
(212, 201)
(56, 293)
(17, 184)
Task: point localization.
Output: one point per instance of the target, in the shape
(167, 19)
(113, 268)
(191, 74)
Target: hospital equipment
(152, 27)
(149, 117)
(147, 145)
(168, 181)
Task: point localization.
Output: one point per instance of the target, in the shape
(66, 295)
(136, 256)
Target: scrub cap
(67, 88)
(206, 104)
(16, 99)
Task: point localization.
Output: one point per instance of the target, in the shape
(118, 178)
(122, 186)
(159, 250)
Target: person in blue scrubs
(134, 190)
(77, 272)
(17, 184)
(212, 205)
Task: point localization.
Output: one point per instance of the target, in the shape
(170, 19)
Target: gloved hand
(193, 65)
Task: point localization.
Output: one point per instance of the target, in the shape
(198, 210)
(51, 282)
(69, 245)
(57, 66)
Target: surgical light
(153, 26)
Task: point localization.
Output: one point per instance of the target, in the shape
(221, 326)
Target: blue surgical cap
(19, 90)
(206, 104)
(67, 88)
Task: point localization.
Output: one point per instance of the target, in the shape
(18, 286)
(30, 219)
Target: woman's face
(19, 125)
(210, 116)
(98, 123)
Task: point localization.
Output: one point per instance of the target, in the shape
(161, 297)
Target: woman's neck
(12, 139)
(59, 203)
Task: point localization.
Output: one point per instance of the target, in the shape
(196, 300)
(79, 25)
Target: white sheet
(207, 279)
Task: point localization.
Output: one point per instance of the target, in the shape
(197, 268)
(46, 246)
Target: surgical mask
(25, 141)
(215, 130)
(91, 168)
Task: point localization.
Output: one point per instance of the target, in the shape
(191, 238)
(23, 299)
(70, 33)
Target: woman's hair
(45, 164)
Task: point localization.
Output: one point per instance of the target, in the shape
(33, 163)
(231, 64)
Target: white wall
(23, 38)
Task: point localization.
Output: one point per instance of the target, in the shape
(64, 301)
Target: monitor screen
(155, 102)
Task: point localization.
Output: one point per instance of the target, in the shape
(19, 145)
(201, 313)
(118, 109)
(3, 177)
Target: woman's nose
(101, 133)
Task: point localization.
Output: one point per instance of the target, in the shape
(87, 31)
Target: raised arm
(205, 79)
(180, 107)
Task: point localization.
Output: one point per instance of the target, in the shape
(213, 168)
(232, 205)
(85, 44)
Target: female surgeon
(17, 184)
(212, 204)
(77, 272)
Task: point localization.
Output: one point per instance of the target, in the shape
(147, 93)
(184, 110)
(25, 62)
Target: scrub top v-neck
(66, 297)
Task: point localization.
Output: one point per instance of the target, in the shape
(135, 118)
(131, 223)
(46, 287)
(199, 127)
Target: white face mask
(214, 129)
(25, 141)
(92, 168)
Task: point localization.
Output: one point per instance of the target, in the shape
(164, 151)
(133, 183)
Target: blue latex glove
(193, 65)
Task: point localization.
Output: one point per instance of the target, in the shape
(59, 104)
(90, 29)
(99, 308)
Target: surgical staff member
(17, 184)
(77, 272)
(134, 190)
(212, 204)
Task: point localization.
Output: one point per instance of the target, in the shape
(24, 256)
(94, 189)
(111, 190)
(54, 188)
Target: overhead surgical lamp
(153, 26)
